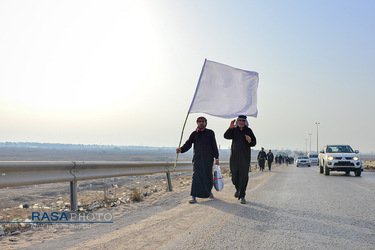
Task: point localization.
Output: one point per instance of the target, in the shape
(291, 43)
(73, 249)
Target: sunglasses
(201, 121)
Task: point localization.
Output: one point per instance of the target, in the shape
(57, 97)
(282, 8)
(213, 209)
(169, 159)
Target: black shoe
(193, 200)
(243, 201)
(211, 196)
(236, 194)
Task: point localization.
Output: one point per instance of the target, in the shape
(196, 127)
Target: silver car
(314, 158)
(303, 161)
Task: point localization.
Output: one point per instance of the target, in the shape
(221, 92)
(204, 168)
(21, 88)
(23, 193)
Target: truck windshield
(339, 149)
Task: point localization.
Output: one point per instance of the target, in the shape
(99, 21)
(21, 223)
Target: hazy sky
(124, 72)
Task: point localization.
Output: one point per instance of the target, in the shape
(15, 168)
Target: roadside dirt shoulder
(159, 218)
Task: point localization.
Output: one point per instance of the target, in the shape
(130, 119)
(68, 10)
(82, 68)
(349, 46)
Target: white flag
(225, 91)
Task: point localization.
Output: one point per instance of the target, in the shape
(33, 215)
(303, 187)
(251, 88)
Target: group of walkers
(280, 159)
(263, 157)
(206, 152)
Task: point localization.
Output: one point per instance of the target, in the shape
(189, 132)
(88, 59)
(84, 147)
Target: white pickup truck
(340, 158)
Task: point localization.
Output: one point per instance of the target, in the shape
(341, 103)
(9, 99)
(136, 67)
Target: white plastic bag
(218, 178)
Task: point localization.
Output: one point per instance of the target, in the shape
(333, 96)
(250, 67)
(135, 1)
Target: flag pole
(179, 144)
(183, 128)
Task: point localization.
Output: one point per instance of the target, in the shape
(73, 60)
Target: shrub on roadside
(137, 195)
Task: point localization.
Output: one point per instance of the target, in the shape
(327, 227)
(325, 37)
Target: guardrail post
(170, 188)
(73, 196)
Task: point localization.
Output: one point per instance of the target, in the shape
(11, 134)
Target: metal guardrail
(22, 173)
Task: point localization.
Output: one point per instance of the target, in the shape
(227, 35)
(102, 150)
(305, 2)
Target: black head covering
(243, 117)
(201, 118)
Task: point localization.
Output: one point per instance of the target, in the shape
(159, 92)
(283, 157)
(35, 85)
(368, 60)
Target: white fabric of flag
(226, 92)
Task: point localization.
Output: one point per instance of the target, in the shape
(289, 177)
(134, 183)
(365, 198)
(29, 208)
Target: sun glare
(102, 61)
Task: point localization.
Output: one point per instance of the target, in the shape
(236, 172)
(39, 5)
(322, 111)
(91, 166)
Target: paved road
(288, 208)
(296, 208)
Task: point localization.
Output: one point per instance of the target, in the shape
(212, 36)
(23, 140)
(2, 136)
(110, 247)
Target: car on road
(313, 158)
(340, 158)
(303, 161)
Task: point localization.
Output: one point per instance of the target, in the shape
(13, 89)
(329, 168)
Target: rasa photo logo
(72, 217)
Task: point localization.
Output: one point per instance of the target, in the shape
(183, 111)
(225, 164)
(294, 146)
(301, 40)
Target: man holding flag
(226, 92)
(205, 150)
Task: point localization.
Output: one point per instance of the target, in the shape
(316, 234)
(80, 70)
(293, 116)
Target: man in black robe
(205, 150)
(269, 159)
(242, 139)
(262, 159)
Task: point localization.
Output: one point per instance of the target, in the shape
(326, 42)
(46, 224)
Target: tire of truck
(320, 168)
(326, 170)
(358, 172)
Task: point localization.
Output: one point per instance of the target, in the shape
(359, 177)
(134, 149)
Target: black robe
(205, 150)
(240, 157)
(269, 159)
(262, 159)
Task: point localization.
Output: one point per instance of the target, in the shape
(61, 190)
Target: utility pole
(310, 141)
(317, 136)
(306, 146)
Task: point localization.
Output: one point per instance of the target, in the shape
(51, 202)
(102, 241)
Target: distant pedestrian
(269, 159)
(261, 159)
(287, 160)
(205, 150)
(242, 139)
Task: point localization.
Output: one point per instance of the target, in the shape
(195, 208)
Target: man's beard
(201, 126)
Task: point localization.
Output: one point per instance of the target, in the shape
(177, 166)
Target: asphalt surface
(296, 208)
(288, 208)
